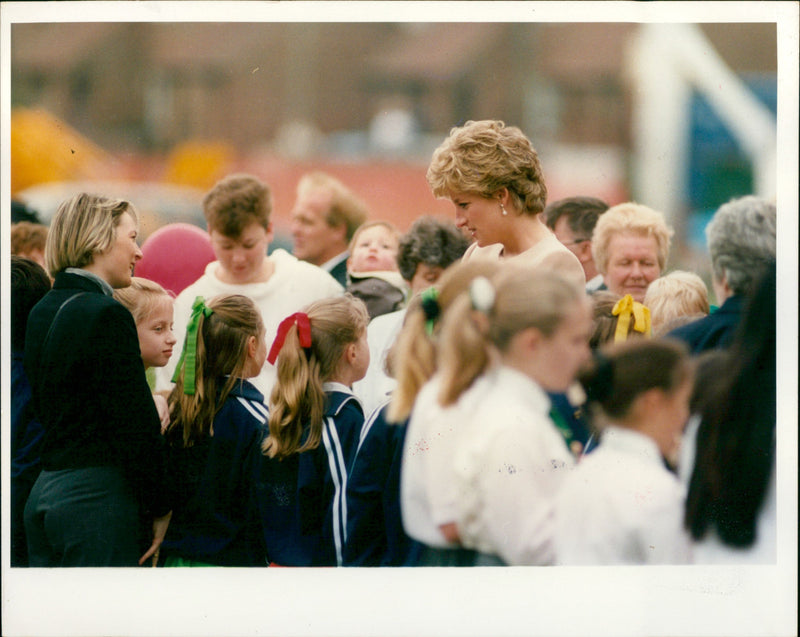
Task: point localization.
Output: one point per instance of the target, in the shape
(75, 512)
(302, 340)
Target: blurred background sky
(681, 117)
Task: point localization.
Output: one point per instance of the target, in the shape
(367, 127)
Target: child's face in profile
(156, 339)
(375, 249)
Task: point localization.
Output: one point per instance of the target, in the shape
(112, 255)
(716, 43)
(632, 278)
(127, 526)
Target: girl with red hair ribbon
(314, 426)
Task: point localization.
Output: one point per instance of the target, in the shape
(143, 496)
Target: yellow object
(45, 149)
(199, 164)
(626, 308)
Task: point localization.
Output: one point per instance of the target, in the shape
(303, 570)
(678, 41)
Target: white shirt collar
(333, 386)
(630, 441)
(594, 283)
(332, 263)
(521, 386)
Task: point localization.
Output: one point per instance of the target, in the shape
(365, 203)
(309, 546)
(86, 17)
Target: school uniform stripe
(258, 411)
(367, 426)
(330, 438)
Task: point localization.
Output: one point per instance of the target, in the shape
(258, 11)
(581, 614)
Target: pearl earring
(503, 210)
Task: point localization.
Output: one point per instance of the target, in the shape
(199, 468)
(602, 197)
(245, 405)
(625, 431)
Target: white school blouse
(508, 465)
(621, 505)
(427, 485)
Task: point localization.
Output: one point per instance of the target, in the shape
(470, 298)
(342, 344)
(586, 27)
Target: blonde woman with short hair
(630, 246)
(492, 175)
(103, 458)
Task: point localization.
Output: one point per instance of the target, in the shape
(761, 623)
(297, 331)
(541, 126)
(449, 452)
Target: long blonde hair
(298, 400)
(221, 356)
(414, 353)
(472, 330)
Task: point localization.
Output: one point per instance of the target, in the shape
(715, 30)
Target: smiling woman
(630, 245)
(491, 174)
(103, 458)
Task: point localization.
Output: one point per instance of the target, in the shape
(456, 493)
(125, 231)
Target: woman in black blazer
(103, 457)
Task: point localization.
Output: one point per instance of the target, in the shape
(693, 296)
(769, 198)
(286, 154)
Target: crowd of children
(445, 407)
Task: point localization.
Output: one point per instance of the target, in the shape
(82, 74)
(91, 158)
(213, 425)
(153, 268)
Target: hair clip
(303, 332)
(189, 353)
(430, 306)
(482, 294)
(624, 309)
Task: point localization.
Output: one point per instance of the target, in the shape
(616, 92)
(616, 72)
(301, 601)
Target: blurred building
(389, 91)
(156, 84)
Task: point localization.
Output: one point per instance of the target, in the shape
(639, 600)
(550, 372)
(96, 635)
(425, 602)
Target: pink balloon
(175, 255)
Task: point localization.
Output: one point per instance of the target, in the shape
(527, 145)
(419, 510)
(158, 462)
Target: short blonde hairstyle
(630, 218)
(82, 227)
(485, 156)
(675, 295)
(141, 297)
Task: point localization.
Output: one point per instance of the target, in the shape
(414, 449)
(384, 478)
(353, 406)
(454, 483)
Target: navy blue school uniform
(27, 434)
(213, 518)
(714, 331)
(302, 498)
(275, 493)
(571, 424)
(375, 535)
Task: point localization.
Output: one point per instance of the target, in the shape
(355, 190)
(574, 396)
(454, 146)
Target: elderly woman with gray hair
(741, 241)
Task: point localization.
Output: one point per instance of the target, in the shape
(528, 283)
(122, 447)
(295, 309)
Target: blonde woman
(103, 458)
(492, 175)
(630, 246)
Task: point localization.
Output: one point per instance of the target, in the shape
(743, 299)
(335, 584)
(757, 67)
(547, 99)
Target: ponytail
(212, 362)
(305, 360)
(619, 373)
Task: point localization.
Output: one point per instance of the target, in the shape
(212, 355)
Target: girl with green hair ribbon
(217, 421)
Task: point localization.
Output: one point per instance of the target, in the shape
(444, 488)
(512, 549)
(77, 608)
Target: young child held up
(676, 299)
(372, 270)
(314, 427)
(217, 423)
(152, 309)
(622, 505)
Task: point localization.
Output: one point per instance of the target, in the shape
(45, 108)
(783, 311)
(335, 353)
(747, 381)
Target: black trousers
(82, 517)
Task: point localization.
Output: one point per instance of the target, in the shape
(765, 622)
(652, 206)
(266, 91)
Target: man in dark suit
(741, 242)
(324, 217)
